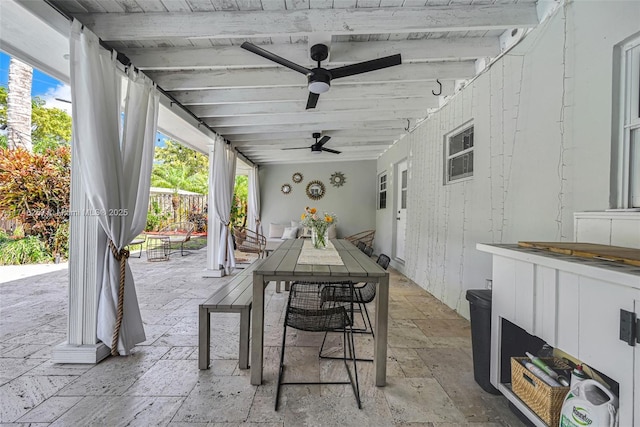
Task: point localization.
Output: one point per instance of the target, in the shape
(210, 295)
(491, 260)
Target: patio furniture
(368, 251)
(311, 308)
(158, 248)
(361, 245)
(178, 233)
(138, 241)
(249, 241)
(283, 265)
(364, 236)
(234, 297)
(362, 295)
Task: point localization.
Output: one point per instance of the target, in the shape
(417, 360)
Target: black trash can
(480, 310)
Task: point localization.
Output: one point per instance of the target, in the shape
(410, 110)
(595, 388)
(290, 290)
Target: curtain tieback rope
(120, 256)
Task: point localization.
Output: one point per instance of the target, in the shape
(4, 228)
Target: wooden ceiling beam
(299, 93)
(222, 24)
(443, 49)
(348, 105)
(310, 116)
(398, 125)
(201, 79)
(345, 134)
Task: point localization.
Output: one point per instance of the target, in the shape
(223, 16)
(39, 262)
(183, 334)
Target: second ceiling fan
(317, 147)
(319, 79)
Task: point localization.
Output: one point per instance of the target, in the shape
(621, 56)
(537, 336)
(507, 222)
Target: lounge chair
(178, 233)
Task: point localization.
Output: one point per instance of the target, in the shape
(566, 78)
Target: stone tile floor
(430, 372)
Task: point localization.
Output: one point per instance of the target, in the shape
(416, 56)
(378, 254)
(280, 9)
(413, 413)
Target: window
(382, 191)
(459, 154)
(629, 133)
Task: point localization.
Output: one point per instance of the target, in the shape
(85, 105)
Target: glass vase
(319, 240)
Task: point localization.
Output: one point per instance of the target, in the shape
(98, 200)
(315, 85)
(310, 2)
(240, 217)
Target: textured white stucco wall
(542, 117)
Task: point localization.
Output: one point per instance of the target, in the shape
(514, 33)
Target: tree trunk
(19, 105)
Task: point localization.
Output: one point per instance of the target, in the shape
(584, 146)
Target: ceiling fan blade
(275, 58)
(324, 140)
(363, 67)
(331, 151)
(312, 101)
(296, 148)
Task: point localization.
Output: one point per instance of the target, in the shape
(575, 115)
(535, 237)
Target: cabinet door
(599, 336)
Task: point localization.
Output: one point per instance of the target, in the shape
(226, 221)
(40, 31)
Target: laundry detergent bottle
(589, 403)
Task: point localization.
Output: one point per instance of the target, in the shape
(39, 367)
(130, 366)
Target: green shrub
(34, 189)
(155, 218)
(29, 250)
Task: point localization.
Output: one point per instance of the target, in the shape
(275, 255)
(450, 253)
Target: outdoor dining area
(427, 357)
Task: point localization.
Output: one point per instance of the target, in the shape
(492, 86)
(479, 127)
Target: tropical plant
(34, 189)
(240, 197)
(155, 217)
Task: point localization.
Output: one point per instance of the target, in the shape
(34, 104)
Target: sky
(48, 88)
(43, 86)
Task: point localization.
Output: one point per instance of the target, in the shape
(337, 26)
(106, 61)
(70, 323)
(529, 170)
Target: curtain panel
(253, 204)
(115, 154)
(224, 172)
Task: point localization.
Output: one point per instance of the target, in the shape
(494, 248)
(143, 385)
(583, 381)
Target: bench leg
(245, 327)
(278, 290)
(204, 338)
(287, 285)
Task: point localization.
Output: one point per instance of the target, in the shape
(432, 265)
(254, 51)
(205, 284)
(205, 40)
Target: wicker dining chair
(362, 295)
(313, 307)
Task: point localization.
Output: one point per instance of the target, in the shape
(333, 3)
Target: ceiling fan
(317, 147)
(319, 79)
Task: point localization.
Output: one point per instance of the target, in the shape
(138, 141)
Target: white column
(214, 269)
(87, 243)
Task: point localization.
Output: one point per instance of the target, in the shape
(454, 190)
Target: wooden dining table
(283, 265)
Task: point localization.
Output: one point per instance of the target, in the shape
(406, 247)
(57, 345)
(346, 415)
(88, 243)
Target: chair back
(383, 261)
(361, 245)
(368, 251)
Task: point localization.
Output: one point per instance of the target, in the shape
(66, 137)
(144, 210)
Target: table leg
(257, 329)
(204, 338)
(382, 326)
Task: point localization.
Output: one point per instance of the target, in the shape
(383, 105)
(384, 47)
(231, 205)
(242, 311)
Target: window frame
(381, 190)
(628, 170)
(447, 156)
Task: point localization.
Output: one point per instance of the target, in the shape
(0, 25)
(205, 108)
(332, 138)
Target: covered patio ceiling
(191, 49)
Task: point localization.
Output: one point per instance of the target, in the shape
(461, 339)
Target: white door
(401, 208)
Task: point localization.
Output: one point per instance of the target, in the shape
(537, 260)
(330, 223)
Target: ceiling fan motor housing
(319, 80)
(319, 52)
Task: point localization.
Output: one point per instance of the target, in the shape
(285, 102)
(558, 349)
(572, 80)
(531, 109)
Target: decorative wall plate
(337, 179)
(286, 189)
(297, 177)
(315, 190)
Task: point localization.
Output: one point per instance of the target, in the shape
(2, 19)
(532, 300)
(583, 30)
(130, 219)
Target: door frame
(396, 206)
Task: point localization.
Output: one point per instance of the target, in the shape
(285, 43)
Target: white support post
(87, 244)
(214, 269)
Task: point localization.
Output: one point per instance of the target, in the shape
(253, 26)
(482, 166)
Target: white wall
(353, 203)
(542, 117)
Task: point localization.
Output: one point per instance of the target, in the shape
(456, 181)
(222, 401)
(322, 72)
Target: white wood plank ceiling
(191, 49)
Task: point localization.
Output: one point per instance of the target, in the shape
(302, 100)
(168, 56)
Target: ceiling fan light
(318, 87)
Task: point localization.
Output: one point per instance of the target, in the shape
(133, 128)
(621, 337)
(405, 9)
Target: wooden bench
(233, 297)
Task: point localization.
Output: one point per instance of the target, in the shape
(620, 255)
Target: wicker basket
(544, 400)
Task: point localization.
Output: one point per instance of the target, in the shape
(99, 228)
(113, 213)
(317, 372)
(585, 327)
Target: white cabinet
(574, 305)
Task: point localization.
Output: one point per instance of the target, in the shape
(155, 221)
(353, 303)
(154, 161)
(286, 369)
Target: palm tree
(19, 105)
(176, 178)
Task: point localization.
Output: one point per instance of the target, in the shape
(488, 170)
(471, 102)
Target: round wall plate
(286, 189)
(297, 177)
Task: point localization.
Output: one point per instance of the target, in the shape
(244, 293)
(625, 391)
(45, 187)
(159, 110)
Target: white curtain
(116, 170)
(224, 172)
(253, 204)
